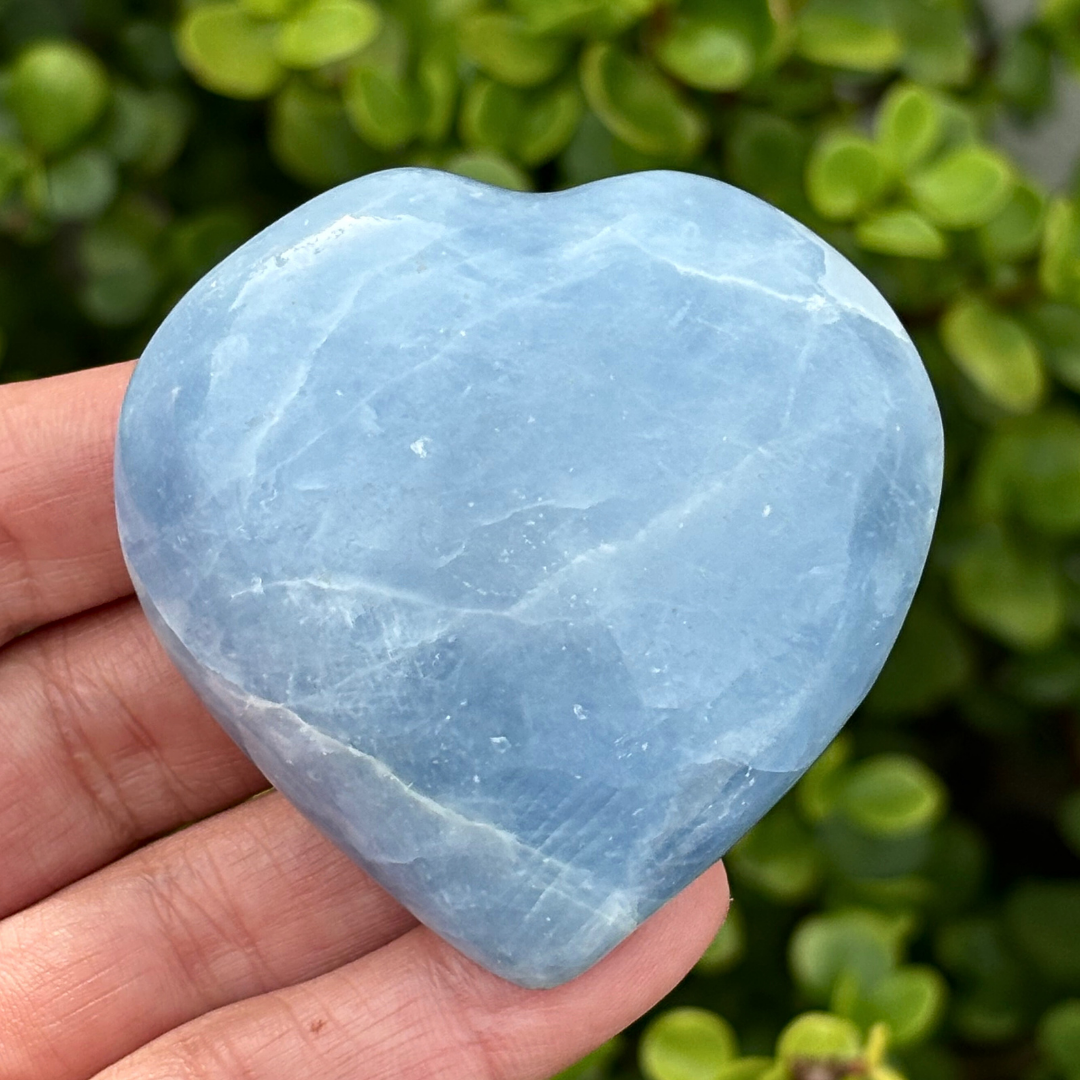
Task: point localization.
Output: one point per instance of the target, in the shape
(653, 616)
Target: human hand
(245, 946)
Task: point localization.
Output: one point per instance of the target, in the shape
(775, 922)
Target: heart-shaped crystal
(532, 545)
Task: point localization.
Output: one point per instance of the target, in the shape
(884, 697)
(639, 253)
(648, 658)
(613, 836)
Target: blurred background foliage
(913, 907)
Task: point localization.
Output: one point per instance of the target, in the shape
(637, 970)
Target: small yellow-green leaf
(14, 163)
(1057, 329)
(323, 31)
(57, 91)
(229, 52)
(930, 662)
(1016, 595)
(910, 124)
(1030, 467)
(965, 188)
(858, 946)
(1059, 1036)
(437, 84)
(1059, 267)
(1015, 232)
(686, 1044)
(312, 139)
(81, 186)
(819, 790)
(747, 1068)
(502, 45)
(639, 106)
(381, 107)
(269, 9)
(901, 232)
(910, 1000)
(939, 48)
(996, 354)
(892, 795)
(856, 34)
(818, 1036)
(706, 53)
(490, 168)
(530, 125)
(591, 18)
(846, 175)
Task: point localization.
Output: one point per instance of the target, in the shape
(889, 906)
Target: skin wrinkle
(85, 977)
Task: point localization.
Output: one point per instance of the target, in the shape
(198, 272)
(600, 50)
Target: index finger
(59, 549)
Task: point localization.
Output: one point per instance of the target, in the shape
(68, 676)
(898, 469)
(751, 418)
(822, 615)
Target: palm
(246, 945)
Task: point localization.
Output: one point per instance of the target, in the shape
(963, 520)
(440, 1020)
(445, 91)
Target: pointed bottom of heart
(535, 914)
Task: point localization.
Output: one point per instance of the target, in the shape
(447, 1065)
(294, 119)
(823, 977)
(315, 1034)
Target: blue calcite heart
(532, 545)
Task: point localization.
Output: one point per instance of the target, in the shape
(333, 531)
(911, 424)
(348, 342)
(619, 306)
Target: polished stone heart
(532, 545)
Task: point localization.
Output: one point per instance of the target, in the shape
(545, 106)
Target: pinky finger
(418, 1010)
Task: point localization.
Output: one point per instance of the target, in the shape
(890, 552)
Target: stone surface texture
(532, 545)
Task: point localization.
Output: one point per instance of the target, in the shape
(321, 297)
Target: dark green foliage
(920, 888)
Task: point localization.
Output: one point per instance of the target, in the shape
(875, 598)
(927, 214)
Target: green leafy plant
(912, 908)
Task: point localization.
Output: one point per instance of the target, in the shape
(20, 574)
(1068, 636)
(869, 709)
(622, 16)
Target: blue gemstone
(532, 545)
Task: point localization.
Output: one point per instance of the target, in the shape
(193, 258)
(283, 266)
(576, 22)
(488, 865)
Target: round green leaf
(228, 51)
(910, 1000)
(312, 138)
(437, 87)
(910, 124)
(686, 1044)
(269, 9)
(122, 278)
(1057, 330)
(706, 53)
(14, 164)
(818, 1036)
(530, 125)
(930, 663)
(81, 186)
(857, 34)
(323, 31)
(846, 175)
(1044, 919)
(639, 106)
(996, 353)
(1015, 232)
(892, 794)
(591, 18)
(819, 790)
(747, 1068)
(1031, 467)
(57, 91)
(901, 232)
(939, 47)
(778, 857)
(1059, 1036)
(1014, 594)
(147, 129)
(858, 944)
(1059, 267)
(965, 188)
(489, 168)
(503, 46)
(381, 107)
(198, 242)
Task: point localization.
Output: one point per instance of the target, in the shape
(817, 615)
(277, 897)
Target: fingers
(418, 1010)
(104, 747)
(244, 903)
(59, 551)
